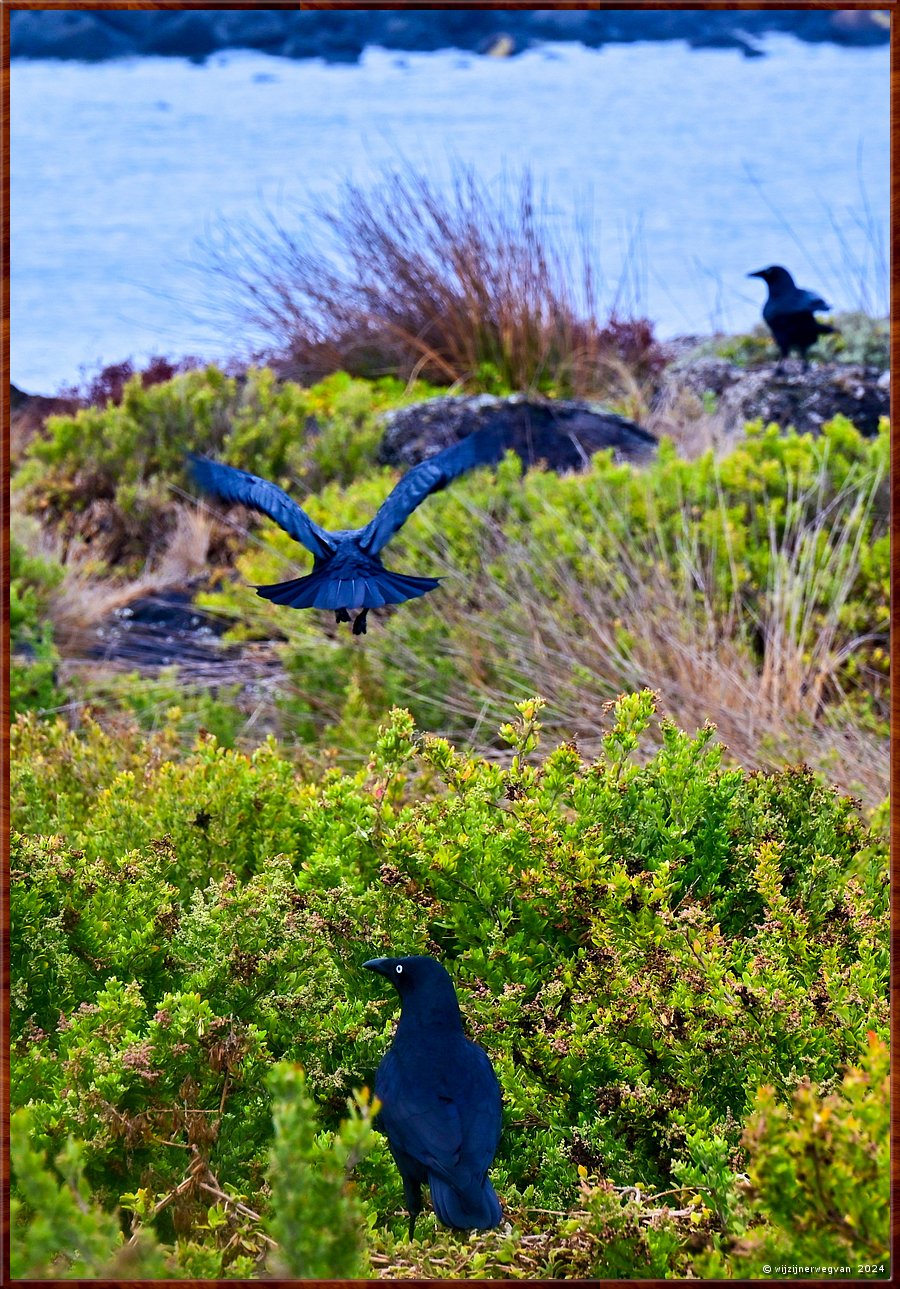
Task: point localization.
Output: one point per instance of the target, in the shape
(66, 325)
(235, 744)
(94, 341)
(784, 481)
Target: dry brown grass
(804, 648)
(679, 414)
(469, 285)
(655, 624)
(87, 596)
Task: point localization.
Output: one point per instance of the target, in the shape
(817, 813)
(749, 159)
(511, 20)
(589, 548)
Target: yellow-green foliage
(59, 1229)
(131, 452)
(818, 1167)
(641, 942)
(858, 338)
(56, 1229)
(34, 658)
(816, 1177)
(318, 1224)
(642, 939)
(775, 553)
(56, 1226)
(158, 700)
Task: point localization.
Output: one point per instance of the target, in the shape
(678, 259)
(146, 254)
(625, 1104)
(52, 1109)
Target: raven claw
(341, 615)
(359, 626)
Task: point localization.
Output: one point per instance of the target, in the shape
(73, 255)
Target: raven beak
(758, 273)
(377, 964)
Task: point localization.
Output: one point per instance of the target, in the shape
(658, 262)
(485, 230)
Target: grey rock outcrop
(70, 33)
(563, 435)
(341, 35)
(790, 395)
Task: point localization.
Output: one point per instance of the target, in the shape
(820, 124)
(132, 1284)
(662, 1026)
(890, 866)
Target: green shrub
(818, 1168)
(750, 350)
(817, 1178)
(32, 581)
(57, 773)
(140, 1087)
(33, 684)
(775, 555)
(130, 452)
(56, 1228)
(164, 701)
(640, 942)
(771, 560)
(858, 338)
(81, 921)
(59, 1229)
(317, 1222)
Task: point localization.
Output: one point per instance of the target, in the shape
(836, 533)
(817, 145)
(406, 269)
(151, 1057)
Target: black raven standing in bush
(347, 572)
(789, 310)
(440, 1099)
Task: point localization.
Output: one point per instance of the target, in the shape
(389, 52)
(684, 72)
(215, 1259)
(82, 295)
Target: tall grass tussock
(468, 284)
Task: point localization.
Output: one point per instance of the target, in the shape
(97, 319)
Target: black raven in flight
(440, 1099)
(789, 310)
(347, 572)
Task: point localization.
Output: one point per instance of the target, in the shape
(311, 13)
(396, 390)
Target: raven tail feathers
(465, 1212)
(325, 589)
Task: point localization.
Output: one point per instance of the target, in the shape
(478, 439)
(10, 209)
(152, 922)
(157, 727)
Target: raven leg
(359, 626)
(341, 615)
(412, 1198)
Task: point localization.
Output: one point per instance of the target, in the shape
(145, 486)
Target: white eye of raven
(399, 968)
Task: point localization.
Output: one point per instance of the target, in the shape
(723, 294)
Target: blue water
(698, 166)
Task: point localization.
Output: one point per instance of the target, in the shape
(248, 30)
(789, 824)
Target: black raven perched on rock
(789, 310)
(347, 572)
(440, 1099)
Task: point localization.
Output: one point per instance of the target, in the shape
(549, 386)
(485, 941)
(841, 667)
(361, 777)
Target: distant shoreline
(343, 35)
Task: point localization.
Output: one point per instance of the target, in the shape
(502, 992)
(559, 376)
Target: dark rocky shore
(342, 35)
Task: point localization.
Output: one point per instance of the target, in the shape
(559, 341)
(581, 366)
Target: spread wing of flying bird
(240, 487)
(484, 447)
(347, 571)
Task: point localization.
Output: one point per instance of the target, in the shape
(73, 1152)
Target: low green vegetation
(672, 962)
(672, 942)
(769, 565)
(33, 662)
(817, 1169)
(757, 576)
